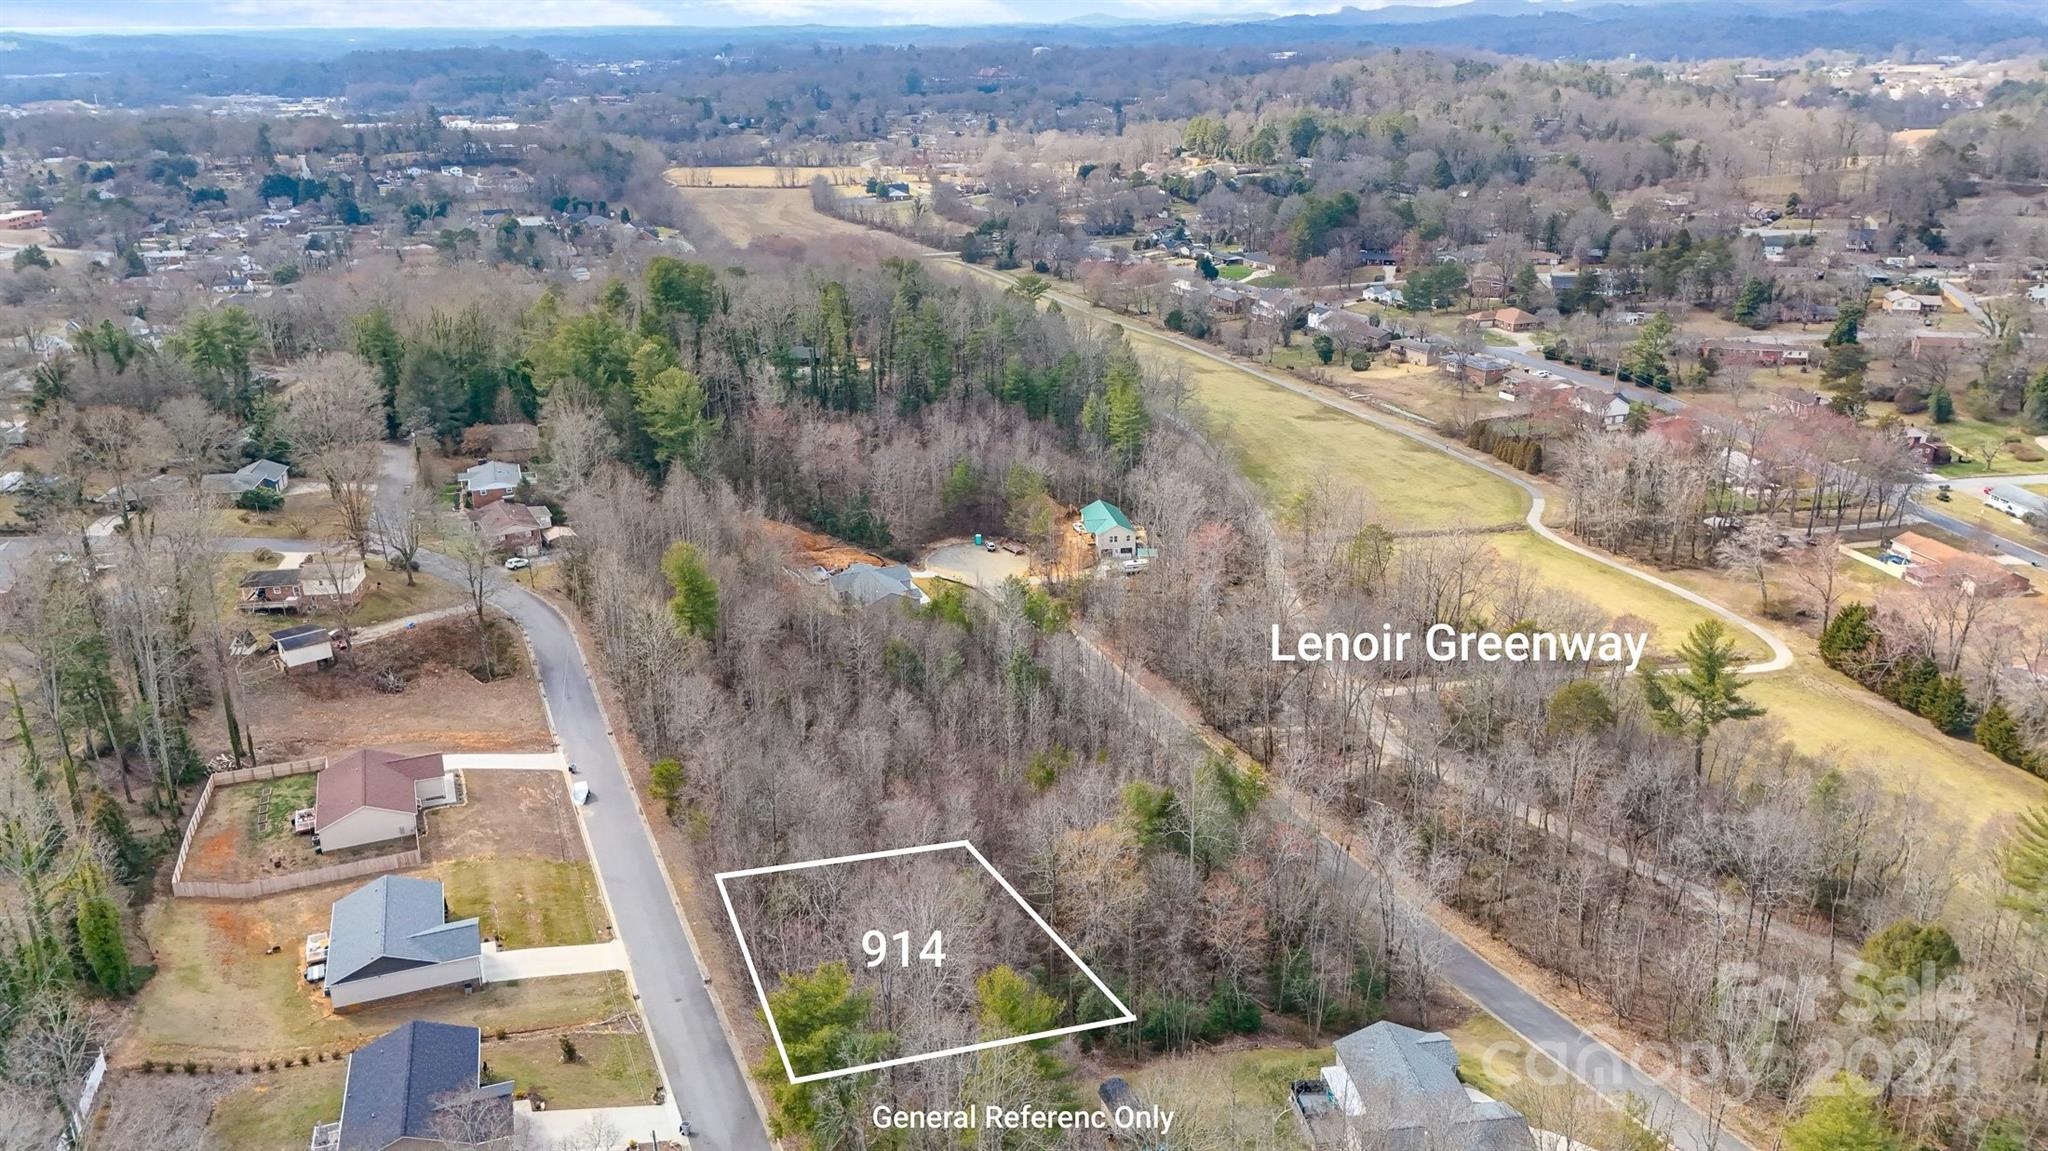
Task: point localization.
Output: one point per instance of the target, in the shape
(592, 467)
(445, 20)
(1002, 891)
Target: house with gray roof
(1397, 1089)
(267, 474)
(489, 481)
(420, 1085)
(867, 585)
(392, 937)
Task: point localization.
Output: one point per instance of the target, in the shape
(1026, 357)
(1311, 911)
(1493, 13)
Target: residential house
(418, 1086)
(391, 937)
(307, 645)
(1793, 401)
(1384, 294)
(1227, 300)
(489, 481)
(1486, 280)
(1928, 560)
(1348, 329)
(1113, 534)
(513, 528)
(1609, 410)
(266, 474)
(1927, 448)
(372, 795)
(313, 581)
(514, 442)
(1515, 320)
(1482, 371)
(1807, 312)
(148, 493)
(20, 219)
(1900, 301)
(1943, 345)
(1422, 352)
(866, 585)
(1394, 1087)
(1761, 351)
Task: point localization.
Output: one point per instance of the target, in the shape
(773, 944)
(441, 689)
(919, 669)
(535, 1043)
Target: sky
(256, 15)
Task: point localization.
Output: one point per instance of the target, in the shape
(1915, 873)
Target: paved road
(1592, 1061)
(1780, 655)
(706, 1082)
(1160, 710)
(1932, 513)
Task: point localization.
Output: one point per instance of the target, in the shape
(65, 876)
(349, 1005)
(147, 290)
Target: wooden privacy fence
(271, 884)
(293, 880)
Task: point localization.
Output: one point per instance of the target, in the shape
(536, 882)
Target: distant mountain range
(33, 65)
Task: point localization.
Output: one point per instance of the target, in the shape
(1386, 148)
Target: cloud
(188, 15)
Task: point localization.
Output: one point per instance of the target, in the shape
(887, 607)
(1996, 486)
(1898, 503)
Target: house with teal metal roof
(1115, 536)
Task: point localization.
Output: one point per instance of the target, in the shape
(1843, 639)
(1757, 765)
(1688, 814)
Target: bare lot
(443, 706)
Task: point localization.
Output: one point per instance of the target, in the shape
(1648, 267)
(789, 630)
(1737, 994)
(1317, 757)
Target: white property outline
(775, 1032)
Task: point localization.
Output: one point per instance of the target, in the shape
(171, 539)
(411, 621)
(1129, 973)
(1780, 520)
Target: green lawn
(612, 1069)
(525, 902)
(1282, 441)
(276, 800)
(1235, 272)
(1613, 592)
(1829, 716)
(1231, 1098)
(219, 997)
(276, 1111)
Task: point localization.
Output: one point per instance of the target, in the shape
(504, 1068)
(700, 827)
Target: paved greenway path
(707, 1085)
(1781, 655)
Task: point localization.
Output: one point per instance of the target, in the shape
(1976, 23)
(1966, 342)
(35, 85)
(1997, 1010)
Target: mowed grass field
(1280, 439)
(276, 1111)
(1828, 716)
(765, 176)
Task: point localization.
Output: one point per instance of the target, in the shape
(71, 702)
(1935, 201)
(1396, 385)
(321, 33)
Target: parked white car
(517, 563)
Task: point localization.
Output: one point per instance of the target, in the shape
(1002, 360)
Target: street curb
(603, 892)
(718, 1008)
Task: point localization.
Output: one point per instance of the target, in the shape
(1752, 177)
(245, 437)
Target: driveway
(976, 567)
(505, 761)
(1780, 655)
(581, 1126)
(705, 1082)
(542, 962)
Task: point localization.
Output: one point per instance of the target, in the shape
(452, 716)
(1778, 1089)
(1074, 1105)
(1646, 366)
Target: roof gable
(1101, 516)
(397, 1083)
(392, 923)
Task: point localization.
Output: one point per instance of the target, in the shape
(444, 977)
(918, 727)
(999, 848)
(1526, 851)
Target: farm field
(745, 215)
(765, 175)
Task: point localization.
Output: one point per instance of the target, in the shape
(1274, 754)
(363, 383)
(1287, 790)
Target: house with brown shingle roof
(372, 795)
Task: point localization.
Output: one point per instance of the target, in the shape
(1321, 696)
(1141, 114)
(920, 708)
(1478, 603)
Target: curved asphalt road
(706, 1083)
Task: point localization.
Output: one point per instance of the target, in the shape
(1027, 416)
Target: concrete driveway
(542, 962)
(706, 1083)
(505, 761)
